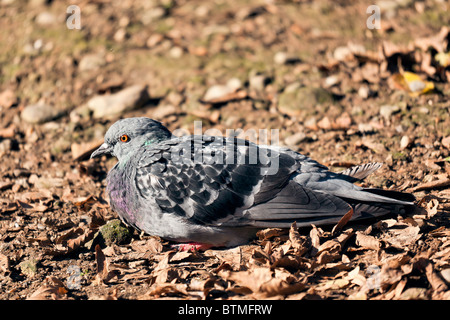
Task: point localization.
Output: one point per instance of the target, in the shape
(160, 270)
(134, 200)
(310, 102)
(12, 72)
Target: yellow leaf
(412, 83)
(443, 58)
(416, 85)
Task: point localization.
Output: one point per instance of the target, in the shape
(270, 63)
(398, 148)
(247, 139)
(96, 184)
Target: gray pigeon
(218, 191)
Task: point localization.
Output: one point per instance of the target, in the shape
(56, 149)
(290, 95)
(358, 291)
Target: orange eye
(124, 138)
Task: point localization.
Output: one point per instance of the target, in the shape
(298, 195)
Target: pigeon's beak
(103, 149)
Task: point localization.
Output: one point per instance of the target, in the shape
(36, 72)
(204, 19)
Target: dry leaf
(336, 244)
(82, 151)
(366, 241)
(231, 258)
(438, 42)
(434, 279)
(104, 274)
(4, 263)
(333, 284)
(432, 208)
(152, 245)
(300, 243)
(377, 147)
(85, 203)
(401, 238)
(162, 289)
(71, 240)
(180, 256)
(261, 281)
(53, 289)
(444, 182)
(8, 133)
(266, 234)
(314, 234)
(343, 221)
(412, 83)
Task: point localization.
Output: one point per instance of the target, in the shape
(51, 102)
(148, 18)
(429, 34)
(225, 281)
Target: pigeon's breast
(121, 196)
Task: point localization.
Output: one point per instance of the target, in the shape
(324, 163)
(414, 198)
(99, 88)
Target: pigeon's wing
(225, 186)
(297, 203)
(211, 180)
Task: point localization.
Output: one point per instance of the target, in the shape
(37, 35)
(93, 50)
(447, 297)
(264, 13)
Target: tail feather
(358, 173)
(374, 210)
(397, 195)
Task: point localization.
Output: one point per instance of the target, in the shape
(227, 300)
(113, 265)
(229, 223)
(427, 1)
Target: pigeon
(215, 191)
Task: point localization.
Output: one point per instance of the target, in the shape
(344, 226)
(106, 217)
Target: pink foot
(192, 246)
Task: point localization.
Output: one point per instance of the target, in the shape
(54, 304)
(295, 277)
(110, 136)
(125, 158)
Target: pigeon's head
(126, 136)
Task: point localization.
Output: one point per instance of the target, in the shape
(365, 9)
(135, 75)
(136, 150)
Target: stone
(342, 53)
(154, 40)
(163, 111)
(219, 91)
(295, 98)
(295, 139)
(40, 113)
(364, 92)
(446, 274)
(111, 105)
(176, 52)
(257, 82)
(80, 113)
(8, 98)
(387, 111)
(92, 61)
(45, 18)
(5, 146)
(405, 142)
(45, 182)
(446, 142)
(284, 58)
(116, 232)
(331, 81)
(29, 267)
(120, 35)
(152, 15)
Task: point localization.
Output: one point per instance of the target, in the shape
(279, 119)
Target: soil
(335, 89)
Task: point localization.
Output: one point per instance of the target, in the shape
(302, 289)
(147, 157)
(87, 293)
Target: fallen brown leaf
(162, 289)
(104, 274)
(72, 240)
(336, 244)
(315, 234)
(265, 283)
(231, 258)
(266, 234)
(8, 133)
(401, 238)
(152, 245)
(438, 42)
(232, 96)
(372, 145)
(301, 244)
(441, 183)
(366, 241)
(52, 289)
(342, 222)
(4, 263)
(82, 151)
(437, 283)
(8, 99)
